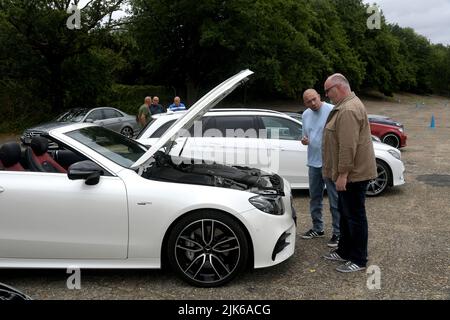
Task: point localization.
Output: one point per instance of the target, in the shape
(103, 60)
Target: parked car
(102, 200)
(282, 154)
(389, 131)
(110, 118)
(295, 115)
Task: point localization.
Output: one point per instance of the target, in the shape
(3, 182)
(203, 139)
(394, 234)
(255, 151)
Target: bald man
(144, 112)
(177, 105)
(349, 160)
(155, 107)
(314, 119)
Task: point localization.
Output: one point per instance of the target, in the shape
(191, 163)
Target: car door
(229, 139)
(288, 155)
(96, 116)
(205, 142)
(112, 119)
(47, 216)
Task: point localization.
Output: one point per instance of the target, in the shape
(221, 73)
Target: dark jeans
(316, 184)
(353, 224)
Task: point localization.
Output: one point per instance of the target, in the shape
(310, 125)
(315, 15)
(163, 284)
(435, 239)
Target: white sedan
(265, 139)
(104, 201)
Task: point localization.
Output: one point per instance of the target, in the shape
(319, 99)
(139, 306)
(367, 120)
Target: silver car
(110, 118)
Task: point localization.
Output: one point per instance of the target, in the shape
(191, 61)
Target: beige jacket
(347, 142)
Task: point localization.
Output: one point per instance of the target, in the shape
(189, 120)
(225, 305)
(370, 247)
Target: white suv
(265, 139)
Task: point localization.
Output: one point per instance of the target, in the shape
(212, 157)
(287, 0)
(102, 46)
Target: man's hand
(305, 140)
(341, 182)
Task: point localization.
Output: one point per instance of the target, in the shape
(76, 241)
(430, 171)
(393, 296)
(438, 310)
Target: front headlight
(400, 129)
(270, 205)
(395, 153)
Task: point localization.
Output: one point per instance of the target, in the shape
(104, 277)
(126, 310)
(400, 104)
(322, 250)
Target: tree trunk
(191, 92)
(57, 89)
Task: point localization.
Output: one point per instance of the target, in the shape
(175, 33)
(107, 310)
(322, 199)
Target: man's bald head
(311, 99)
(309, 92)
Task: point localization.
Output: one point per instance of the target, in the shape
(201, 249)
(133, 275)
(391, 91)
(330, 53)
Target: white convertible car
(102, 200)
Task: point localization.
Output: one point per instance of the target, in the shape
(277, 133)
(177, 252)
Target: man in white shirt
(314, 119)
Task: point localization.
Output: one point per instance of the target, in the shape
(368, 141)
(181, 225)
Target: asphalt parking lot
(409, 233)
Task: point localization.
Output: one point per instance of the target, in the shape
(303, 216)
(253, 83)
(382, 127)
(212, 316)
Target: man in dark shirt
(155, 107)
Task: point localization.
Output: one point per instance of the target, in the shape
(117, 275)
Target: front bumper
(403, 139)
(266, 231)
(273, 236)
(398, 170)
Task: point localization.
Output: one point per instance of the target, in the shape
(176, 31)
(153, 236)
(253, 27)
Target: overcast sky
(430, 18)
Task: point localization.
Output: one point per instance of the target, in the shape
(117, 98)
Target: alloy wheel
(207, 251)
(379, 184)
(392, 140)
(127, 132)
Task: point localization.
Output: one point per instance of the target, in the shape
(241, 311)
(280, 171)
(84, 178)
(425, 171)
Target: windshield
(109, 144)
(145, 128)
(74, 115)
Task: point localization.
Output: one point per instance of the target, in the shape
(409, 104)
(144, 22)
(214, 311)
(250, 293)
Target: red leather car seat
(39, 159)
(10, 154)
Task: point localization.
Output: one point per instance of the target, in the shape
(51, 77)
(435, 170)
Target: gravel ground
(409, 232)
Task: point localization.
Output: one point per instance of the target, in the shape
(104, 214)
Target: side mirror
(89, 120)
(85, 170)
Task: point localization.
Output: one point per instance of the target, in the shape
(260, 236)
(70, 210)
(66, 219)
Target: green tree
(416, 50)
(191, 44)
(38, 30)
(335, 41)
(439, 69)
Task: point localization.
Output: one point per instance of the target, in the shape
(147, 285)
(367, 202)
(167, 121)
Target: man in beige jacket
(349, 160)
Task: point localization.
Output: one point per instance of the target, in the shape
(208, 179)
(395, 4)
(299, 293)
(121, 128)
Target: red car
(389, 131)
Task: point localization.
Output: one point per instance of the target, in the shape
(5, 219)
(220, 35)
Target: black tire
(206, 259)
(391, 139)
(378, 185)
(127, 132)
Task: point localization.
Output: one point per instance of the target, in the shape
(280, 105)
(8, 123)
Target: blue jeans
(354, 228)
(316, 188)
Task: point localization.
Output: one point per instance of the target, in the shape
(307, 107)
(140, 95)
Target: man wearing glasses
(349, 160)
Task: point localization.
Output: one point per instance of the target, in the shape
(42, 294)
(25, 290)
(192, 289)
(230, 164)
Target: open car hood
(207, 102)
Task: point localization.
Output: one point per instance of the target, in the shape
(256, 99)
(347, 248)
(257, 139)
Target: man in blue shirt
(314, 119)
(177, 105)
